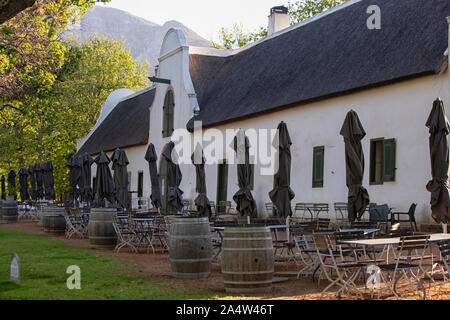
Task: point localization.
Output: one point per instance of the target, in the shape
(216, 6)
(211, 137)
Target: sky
(205, 17)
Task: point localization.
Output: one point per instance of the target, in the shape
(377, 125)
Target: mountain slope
(142, 37)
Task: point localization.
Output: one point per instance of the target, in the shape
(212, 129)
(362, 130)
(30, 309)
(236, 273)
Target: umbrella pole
(444, 228)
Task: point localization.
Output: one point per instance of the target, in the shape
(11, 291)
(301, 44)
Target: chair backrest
(340, 206)
(321, 206)
(444, 248)
(379, 213)
(412, 209)
(352, 235)
(410, 243)
(323, 224)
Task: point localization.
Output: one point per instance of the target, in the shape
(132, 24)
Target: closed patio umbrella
(49, 181)
(86, 192)
(2, 180)
(12, 183)
(23, 181)
(282, 193)
(74, 165)
(245, 204)
(120, 162)
(174, 176)
(105, 188)
(358, 197)
(152, 159)
(201, 202)
(32, 183)
(39, 181)
(439, 128)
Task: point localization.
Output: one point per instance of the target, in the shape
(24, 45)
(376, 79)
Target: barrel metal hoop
(249, 272)
(247, 249)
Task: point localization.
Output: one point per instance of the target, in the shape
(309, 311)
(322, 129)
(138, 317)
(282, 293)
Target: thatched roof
(334, 55)
(126, 125)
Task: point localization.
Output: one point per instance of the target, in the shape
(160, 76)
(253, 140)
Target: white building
(308, 75)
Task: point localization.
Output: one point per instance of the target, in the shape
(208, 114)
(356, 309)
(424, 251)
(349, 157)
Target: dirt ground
(156, 267)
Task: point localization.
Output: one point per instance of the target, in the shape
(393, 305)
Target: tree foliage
(31, 50)
(299, 10)
(46, 126)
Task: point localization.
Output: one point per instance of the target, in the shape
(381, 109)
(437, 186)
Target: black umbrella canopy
(152, 159)
(48, 179)
(174, 176)
(439, 128)
(202, 201)
(12, 183)
(105, 188)
(358, 197)
(87, 195)
(2, 180)
(282, 193)
(23, 181)
(74, 165)
(33, 193)
(39, 181)
(245, 204)
(120, 162)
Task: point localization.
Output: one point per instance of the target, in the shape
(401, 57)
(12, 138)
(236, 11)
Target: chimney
(279, 19)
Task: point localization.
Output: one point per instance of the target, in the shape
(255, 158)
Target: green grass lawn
(43, 265)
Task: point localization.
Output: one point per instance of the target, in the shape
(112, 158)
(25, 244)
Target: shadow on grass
(8, 285)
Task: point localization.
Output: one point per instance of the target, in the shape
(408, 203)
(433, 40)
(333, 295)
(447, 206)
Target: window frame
(372, 160)
(315, 182)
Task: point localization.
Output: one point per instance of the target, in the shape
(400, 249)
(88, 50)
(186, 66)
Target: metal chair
(271, 209)
(396, 217)
(380, 215)
(125, 235)
(404, 264)
(321, 208)
(340, 210)
(74, 225)
(444, 248)
(340, 273)
(305, 208)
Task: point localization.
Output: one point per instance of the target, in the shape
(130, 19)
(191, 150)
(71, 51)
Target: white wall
(396, 111)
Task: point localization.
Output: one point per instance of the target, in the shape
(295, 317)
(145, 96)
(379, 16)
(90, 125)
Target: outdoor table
(389, 242)
(143, 229)
(366, 231)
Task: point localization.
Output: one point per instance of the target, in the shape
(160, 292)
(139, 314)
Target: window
(168, 114)
(382, 160)
(140, 184)
(318, 164)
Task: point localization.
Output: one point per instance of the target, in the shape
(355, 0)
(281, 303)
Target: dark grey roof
(126, 125)
(334, 55)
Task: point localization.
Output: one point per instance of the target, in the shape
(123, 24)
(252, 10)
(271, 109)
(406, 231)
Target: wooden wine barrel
(190, 247)
(247, 259)
(53, 220)
(100, 228)
(10, 212)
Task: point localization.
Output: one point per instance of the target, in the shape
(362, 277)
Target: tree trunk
(13, 7)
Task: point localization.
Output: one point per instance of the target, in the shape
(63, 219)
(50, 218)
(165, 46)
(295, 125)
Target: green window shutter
(318, 166)
(168, 107)
(389, 150)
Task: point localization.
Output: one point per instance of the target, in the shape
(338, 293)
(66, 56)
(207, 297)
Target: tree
(30, 47)
(47, 126)
(299, 10)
